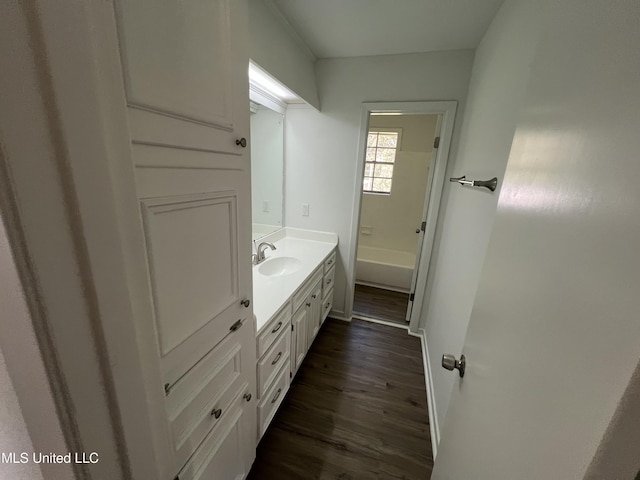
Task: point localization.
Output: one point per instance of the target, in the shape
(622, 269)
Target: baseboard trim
(434, 428)
(339, 316)
(383, 287)
(381, 322)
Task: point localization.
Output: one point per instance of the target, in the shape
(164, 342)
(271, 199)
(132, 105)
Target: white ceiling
(349, 28)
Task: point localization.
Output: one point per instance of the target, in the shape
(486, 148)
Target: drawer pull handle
(313, 296)
(245, 303)
(216, 412)
(242, 142)
(277, 327)
(329, 281)
(247, 397)
(329, 262)
(275, 360)
(235, 326)
(327, 305)
(276, 396)
(308, 304)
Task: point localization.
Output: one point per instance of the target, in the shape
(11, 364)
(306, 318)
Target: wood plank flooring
(357, 409)
(381, 304)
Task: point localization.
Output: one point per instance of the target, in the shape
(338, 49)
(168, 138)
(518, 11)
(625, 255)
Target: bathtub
(380, 267)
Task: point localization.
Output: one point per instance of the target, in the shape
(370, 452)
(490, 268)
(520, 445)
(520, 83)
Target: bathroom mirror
(267, 169)
(269, 99)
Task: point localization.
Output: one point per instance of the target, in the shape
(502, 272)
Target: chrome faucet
(259, 255)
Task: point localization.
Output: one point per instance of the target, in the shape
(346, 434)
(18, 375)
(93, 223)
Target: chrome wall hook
(490, 184)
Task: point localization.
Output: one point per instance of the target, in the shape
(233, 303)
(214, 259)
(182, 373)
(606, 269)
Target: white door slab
(553, 336)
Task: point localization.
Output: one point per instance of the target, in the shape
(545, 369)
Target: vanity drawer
(327, 303)
(280, 323)
(303, 292)
(330, 262)
(196, 402)
(269, 365)
(272, 399)
(328, 280)
(219, 456)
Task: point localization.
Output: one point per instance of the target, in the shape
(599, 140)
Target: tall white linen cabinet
(184, 68)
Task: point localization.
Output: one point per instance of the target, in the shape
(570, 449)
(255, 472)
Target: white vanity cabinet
(314, 300)
(302, 301)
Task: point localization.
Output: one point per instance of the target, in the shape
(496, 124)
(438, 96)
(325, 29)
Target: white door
(553, 337)
(185, 71)
(422, 228)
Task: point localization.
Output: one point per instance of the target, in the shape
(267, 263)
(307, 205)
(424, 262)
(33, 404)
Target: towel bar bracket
(490, 184)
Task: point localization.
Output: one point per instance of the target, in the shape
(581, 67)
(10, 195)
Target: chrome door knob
(449, 362)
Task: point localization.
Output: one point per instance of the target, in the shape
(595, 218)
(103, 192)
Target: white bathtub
(380, 267)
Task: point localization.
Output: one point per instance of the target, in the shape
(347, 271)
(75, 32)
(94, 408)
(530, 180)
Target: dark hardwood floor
(357, 409)
(380, 304)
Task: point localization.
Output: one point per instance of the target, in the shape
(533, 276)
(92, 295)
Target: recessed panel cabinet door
(185, 74)
(299, 344)
(315, 311)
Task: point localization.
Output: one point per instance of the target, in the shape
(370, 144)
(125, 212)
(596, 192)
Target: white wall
(275, 47)
(14, 436)
(617, 455)
(267, 166)
(321, 147)
(28, 417)
(496, 92)
(391, 220)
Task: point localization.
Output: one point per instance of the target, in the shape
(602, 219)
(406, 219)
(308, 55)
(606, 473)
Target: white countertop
(271, 293)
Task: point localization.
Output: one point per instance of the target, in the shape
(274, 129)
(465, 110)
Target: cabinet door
(185, 75)
(314, 305)
(299, 333)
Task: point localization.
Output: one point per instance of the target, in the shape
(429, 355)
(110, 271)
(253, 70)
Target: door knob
(241, 142)
(449, 362)
(245, 303)
(417, 230)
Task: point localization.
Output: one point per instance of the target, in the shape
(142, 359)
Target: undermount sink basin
(279, 266)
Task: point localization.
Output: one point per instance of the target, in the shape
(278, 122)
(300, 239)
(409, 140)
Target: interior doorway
(399, 153)
(401, 168)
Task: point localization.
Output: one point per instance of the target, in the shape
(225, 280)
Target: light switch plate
(305, 209)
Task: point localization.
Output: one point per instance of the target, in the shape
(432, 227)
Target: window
(381, 155)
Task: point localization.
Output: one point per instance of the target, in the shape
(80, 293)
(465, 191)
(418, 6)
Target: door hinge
(423, 226)
(411, 297)
(436, 142)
